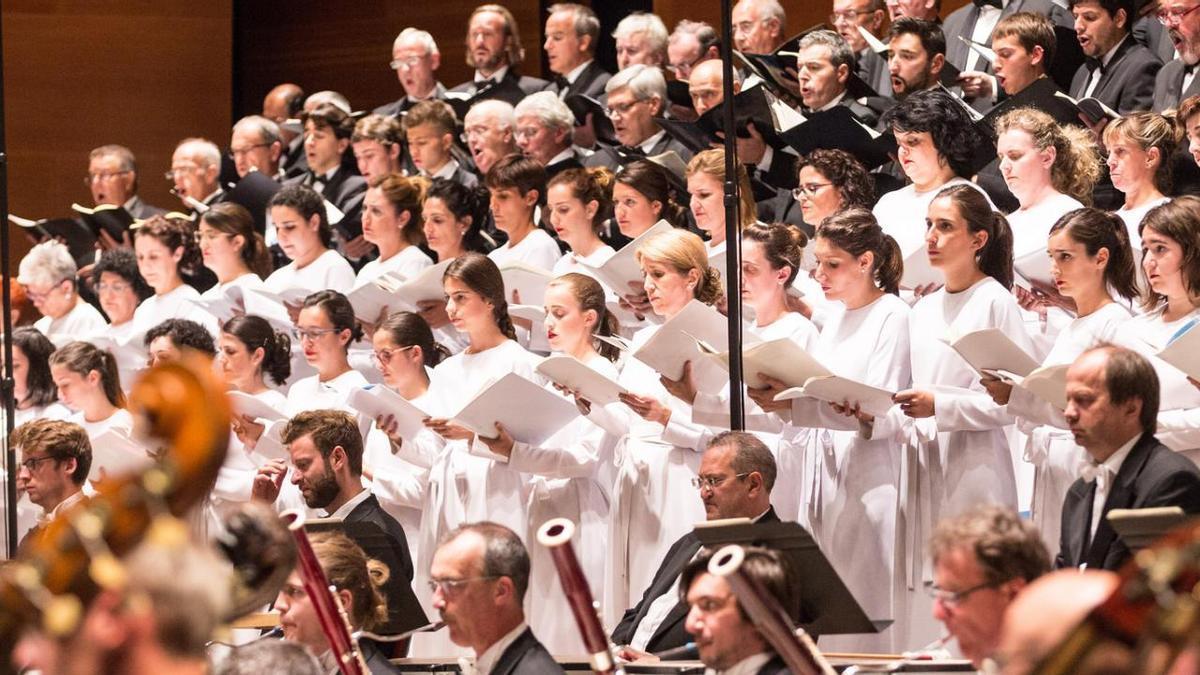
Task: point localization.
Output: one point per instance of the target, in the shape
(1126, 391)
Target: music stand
(1139, 528)
(827, 606)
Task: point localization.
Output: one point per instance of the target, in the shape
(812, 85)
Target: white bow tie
(1100, 473)
(466, 665)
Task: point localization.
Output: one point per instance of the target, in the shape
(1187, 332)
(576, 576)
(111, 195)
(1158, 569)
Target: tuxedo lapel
(1121, 496)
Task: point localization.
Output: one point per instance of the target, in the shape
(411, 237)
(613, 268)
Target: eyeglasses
(849, 15)
(956, 598)
(103, 176)
(1173, 17)
(203, 236)
(713, 482)
(313, 333)
(117, 287)
(31, 464)
(620, 110)
(241, 152)
(526, 132)
(744, 26)
(809, 189)
(410, 62)
(682, 70)
(451, 586)
(38, 296)
(383, 356)
(179, 171)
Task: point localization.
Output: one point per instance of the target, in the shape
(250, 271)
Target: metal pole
(7, 386)
(733, 230)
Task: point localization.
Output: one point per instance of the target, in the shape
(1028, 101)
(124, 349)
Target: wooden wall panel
(80, 74)
(327, 46)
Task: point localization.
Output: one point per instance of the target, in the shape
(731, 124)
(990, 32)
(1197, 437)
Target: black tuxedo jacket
(526, 656)
(511, 89)
(1127, 82)
(293, 162)
(377, 662)
(1168, 87)
(775, 666)
(345, 190)
(558, 167)
(961, 23)
(1152, 475)
(402, 104)
(589, 83)
(608, 157)
(872, 68)
(670, 632)
(369, 511)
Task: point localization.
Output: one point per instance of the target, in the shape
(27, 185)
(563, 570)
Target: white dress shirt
(1106, 473)
(988, 18)
(487, 660)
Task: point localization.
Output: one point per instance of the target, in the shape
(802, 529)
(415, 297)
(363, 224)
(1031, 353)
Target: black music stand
(827, 606)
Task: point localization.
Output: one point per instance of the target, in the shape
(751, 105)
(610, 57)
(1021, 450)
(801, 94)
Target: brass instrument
(555, 534)
(330, 612)
(794, 645)
(183, 406)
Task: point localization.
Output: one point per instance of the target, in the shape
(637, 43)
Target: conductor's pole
(733, 230)
(7, 386)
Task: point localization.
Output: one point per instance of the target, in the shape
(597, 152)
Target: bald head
(705, 85)
(1046, 611)
(281, 103)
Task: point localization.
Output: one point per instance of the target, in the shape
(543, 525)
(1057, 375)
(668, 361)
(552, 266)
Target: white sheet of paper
(117, 454)
(918, 272)
(675, 343)
(380, 401)
(131, 349)
(528, 281)
(372, 298)
(422, 287)
(1183, 352)
(291, 296)
(991, 349)
(781, 359)
(274, 312)
(576, 375)
(836, 389)
(1033, 267)
(509, 401)
(622, 268)
(1048, 383)
(245, 404)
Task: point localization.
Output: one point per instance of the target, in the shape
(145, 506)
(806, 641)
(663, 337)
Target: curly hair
(935, 112)
(1076, 165)
(174, 234)
(846, 173)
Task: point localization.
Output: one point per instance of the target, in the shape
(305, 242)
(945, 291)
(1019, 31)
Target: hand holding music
(647, 407)
(915, 403)
(764, 395)
(684, 388)
(502, 444)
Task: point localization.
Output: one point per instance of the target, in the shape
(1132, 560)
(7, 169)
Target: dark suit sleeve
(623, 633)
(1177, 488)
(1138, 93)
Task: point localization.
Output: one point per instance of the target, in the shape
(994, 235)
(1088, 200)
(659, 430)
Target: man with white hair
(543, 133)
(256, 145)
(571, 33)
(641, 38)
(415, 57)
(490, 130)
(635, 96)
(494, 50)
(195, 170)
(690, 43)
(758, 26)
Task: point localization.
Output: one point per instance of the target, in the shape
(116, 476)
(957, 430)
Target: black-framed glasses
(450, 586)
(713, 482)
(809, 189)
(313, 333)
(31, 464)
(1173, 17)
(956, 598)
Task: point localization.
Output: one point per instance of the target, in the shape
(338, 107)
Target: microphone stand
(7, 385)
(733, 230)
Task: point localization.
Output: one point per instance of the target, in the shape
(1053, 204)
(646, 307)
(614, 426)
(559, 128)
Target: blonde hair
(684, 251)
(348, 568)
(1148, 130)
(1076, 165)
(712, 163)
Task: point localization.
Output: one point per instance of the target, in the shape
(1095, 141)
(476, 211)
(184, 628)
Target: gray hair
(705, 34)
(122, 153)
(548, 108)
(261, 657)
(648, 25)
(203, 151)
(768, 9)
(503, 553)
(188, 587)
(333, 98)
(46, 264)
(266, 130)
(643, 82)
(839, 50)
(586, 22)
(750, 455)
(503, 113)
(419, 36)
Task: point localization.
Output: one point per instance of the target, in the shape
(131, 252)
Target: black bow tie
(1093, 64)
(561, 82)
(998, 4)
(630, 151)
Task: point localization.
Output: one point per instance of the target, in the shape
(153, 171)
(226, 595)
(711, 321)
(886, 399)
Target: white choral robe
(81, 321)
(174, 304)
(400, 484)
(1050, 448)
(1133, 222)
(851, 483)
(566, 480)
(961, 456)
(328, 270)
(408, 263)
(537, 248)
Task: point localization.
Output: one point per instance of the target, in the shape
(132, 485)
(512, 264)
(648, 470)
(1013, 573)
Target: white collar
(562, 156)
(1114, 462)
(649, 143)
(747, 666)
(345, 509)
(487, 660)
(577, 71)
(837, 100)
(496, 76)
(447, 170)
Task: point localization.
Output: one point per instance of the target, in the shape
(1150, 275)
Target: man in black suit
(691, 43)
(635, 96)
(725, 636)
(494, 50)
(479, 575)
(736, 475)
(415, 58)
(1178, 80)
(824, 66)
(543, 133)
(1112, 409)
(847, 18)
(571, 33)
(1119, 71)
(325, 449)
(285, 102)
(328, 129)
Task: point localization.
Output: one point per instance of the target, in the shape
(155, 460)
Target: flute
(555, 534)
(796, 648)
(330, 612)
